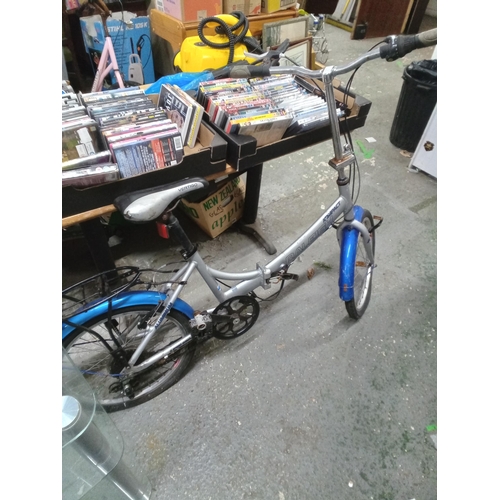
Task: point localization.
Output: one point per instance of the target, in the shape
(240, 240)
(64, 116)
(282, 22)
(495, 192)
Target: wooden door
(379, 18)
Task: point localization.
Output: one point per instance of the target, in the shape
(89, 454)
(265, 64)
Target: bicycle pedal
(200, 320)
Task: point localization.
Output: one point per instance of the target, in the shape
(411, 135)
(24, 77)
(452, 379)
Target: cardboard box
(190, 10)
(220, 210)
(248, 7)
(268, 6)
(131, 42)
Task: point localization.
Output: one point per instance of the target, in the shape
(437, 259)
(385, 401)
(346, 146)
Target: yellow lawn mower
(228, 46)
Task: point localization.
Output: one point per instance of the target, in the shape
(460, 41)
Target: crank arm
(220, 318)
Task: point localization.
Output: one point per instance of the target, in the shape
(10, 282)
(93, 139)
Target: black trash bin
(416, 103)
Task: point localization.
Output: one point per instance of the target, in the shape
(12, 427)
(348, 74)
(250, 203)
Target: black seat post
(176, 230)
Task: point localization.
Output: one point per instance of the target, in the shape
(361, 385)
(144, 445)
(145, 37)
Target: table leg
(97, 241)
(248, 223)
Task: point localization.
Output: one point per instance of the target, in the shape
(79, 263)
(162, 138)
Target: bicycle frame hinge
(266, 275)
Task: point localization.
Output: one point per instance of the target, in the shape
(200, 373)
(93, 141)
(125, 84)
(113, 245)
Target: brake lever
(272, 56)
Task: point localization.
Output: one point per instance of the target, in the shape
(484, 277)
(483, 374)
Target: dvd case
(248, 107)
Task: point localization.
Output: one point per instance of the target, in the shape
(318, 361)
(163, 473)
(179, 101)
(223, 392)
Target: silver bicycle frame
(250, 280)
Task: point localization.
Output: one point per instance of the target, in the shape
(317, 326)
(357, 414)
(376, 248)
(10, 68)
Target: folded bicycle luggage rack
(243, 153)
(206, 158)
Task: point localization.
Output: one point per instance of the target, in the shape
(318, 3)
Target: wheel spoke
(101, 369)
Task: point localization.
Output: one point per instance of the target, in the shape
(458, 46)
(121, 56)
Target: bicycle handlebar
(395, 46)
(399, 46)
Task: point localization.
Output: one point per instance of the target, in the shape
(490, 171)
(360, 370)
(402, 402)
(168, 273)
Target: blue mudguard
(127, 299)
(348, 258)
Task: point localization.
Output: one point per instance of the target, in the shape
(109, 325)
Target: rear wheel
(96, 355)
(322, 51)
(363, 272)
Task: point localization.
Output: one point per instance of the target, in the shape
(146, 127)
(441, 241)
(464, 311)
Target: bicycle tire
(363, 273)
(96, 363)
(323, 50)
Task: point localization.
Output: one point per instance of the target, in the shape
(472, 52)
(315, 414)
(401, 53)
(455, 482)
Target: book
(144, 156)
(109, 95)
(196, 117)
(80, 140)
(70, 100)
(223, 101)
(135, 127)
(73, 111)
(147, 153)
(246, 107)
(137, 131)
(214, 101)
(95, 159)
(67, 88)
(119, 106)
(195, 125)
(233, 86)
(307, 122)
(178, 109)
(91, 175)
(267, 129)
(130, 117)
(236, 122)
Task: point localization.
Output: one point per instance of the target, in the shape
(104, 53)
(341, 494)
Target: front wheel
(95, 353)
(363, 272)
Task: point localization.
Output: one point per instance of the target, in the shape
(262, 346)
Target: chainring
(242, 313)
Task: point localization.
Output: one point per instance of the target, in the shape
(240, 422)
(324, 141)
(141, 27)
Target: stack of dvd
(237, 108)
(85, 159)
(267, 108)
(140, 137)
(182, 109)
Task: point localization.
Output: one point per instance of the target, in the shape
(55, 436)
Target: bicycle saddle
(148, 204)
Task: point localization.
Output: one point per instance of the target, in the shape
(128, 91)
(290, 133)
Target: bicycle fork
(351, 229)
(348, 234)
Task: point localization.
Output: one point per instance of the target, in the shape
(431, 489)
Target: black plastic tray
(242, 152)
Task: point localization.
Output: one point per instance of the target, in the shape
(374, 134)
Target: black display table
(216, 155)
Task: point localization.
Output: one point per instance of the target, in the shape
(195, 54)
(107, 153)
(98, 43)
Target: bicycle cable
(255, 296)
(271, 297)
(348, 138)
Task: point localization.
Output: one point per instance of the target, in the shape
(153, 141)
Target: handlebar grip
(399, 46)
(427, 38)
(248, 71)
